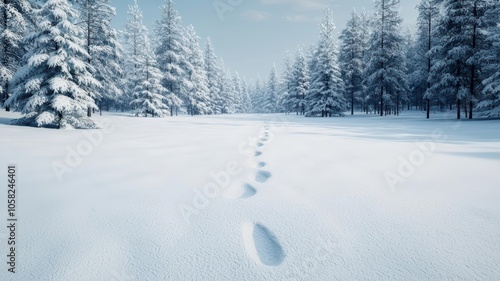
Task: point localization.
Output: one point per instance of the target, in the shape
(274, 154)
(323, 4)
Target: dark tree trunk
(471, 105)
(428, 105)
(397, 105)
(382, 101)
(352, 103)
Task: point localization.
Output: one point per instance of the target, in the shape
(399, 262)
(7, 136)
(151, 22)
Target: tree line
(451, 63)
(61, 61)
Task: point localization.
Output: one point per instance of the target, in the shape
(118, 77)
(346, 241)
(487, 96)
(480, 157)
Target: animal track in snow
(258, 153)
(262, 164)
(260, 144)
(261, 245)
(262, 176)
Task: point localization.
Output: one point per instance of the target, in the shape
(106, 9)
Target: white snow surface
(307, 199)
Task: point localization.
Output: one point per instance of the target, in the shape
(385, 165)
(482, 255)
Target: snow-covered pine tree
(55, 86)
(490, 59)
(15, 22)
(301, 82)
(325, 96)
(246, 99)
(386, 69)
(456, 75)
(258, 95)
(365, 34)
(351, 59)
(408, 55)
(226, 98)
(271, 93)
(213, 77)
(134, 42)
(103, 47)
(198, 97)
(149, 93)
(428, 12)
(287, 99)
(422, 59)
(238, 93)
(172, 52)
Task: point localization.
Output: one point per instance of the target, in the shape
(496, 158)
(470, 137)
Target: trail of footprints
(260, 243)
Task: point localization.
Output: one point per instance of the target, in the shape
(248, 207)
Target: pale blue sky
(251, 35)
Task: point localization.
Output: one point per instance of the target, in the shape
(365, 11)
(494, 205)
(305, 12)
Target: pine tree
(103, 47)
(258, 95)
(352, 60)
(15, 22)
(490, 59)
(271, 94)
(213, 77)
(172, 53)
(365, 34)
(149, 92)
(226, 100)
(55, 86)
(198, 97)
(325, 97)
(246, 99)
(238, 93)
(456, 75)
(301, 82)
(385, 72)
(134, 40)
(287, 84)
(422, 60)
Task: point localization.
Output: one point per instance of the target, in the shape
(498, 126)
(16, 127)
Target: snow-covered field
(250, 197)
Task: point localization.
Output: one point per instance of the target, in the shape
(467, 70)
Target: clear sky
(251, 35)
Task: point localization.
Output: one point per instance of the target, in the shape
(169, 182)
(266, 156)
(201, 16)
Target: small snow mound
(262, 176)
(261, 245)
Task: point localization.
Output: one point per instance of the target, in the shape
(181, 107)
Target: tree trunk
(352, 103)
(397, 105)
(471, 104)
(459, 108)
(381, 100)
(428, 105)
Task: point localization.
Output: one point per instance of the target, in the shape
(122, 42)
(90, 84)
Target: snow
(272, 197)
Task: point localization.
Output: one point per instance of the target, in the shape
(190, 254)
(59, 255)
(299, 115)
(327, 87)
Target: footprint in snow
(262, 245)
(258, 153)
(262, 176)
(262, 164)
(249, 191)
(260, 144)
(239, 192)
